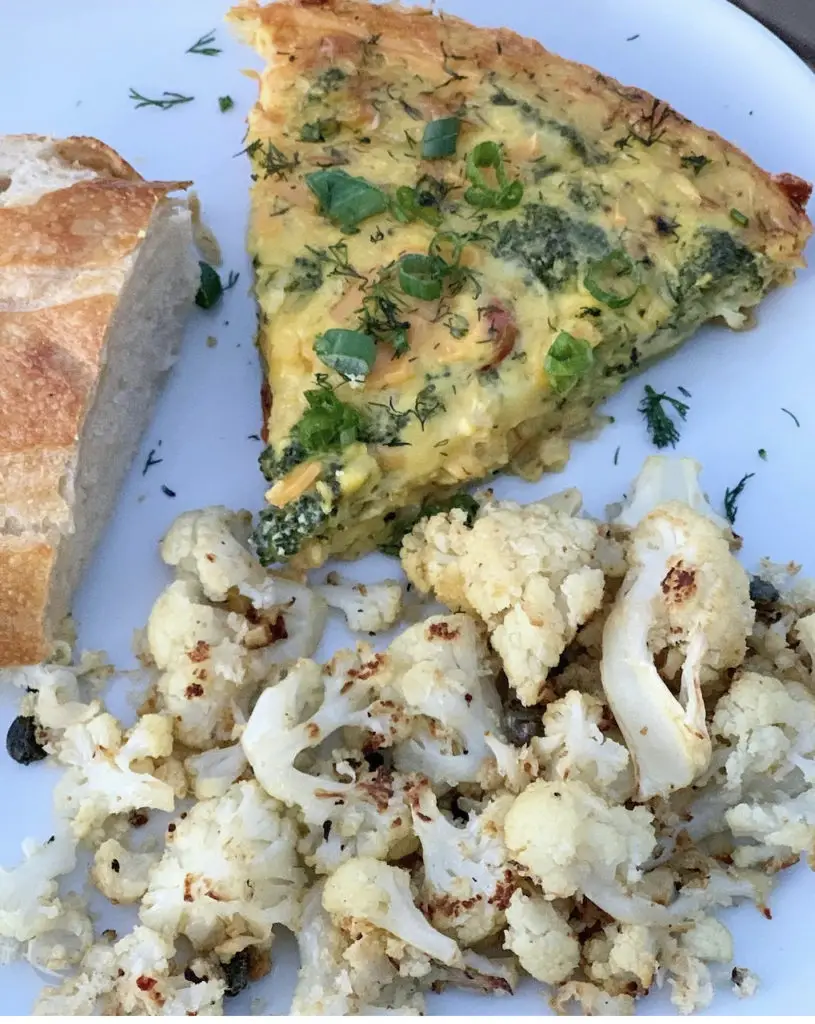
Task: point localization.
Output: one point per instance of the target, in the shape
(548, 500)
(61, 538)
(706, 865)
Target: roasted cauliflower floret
(770, 729)
(109, 772)
(541, 939)
(136, 977)
(441, 673)
(685, 595)
(50, 930)
(467, 879)
(210, 547)
(527, 571)
(121, 874)
(344, 976)
(575, 747)
(663, 480)
(368, 814)
(367, 607)
(571, 840)
(230, 872)
(379, 894)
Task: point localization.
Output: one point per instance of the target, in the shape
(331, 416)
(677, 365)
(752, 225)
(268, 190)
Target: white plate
(66, 69)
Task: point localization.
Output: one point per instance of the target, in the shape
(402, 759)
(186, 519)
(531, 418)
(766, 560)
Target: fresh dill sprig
(661, 427)
(203, 45)
(731, 496)
(231, 280)
(382, 313)
(172, 99)
(792, 416)
(274, 161)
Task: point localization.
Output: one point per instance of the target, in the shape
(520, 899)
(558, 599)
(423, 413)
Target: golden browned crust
(315, 29)
(25, 574)
(64, 259)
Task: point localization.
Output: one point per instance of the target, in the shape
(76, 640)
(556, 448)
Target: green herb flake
(695, 162)
(225, 103)
(731, 497)
(661, 427)
(328, 424)
(210, 289)
(344, 199)
(739, 218)
(762, 454)
(567, 361)
(204, 45)
(457, 325)
(350, 353)
(171, 99)
(321, 130)
(616, 455)
(440, 138)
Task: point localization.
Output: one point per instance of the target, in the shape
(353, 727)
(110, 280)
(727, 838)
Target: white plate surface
(66, 69)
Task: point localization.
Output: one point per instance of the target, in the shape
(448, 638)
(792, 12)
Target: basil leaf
(567, 361)
(350, 353)
(344, 199)
(440, 138)
(603, 279)
(421, 276)
(210, 290)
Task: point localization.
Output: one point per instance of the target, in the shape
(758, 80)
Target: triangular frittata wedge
(463, 244)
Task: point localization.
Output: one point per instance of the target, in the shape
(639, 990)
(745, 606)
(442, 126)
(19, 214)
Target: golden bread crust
(64, 258)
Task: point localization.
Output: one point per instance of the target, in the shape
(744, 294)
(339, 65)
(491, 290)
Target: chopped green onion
(482, 194)
(440, 138)
(406, 208)
(350, 353)
(210, 290)
(345, 199)
(225, 103)
(510, 196)
(438, 247)
(739, 218)
(320, 130)
(421, 276)
(602, 275)
(567, 361)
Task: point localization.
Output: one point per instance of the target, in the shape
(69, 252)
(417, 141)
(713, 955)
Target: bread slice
(97, 274)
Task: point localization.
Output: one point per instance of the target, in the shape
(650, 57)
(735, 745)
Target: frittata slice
(462, 245)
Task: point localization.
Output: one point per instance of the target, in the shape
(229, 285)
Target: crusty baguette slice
(97, 273)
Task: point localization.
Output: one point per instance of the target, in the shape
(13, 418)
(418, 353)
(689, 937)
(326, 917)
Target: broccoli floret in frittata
(281, 531)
